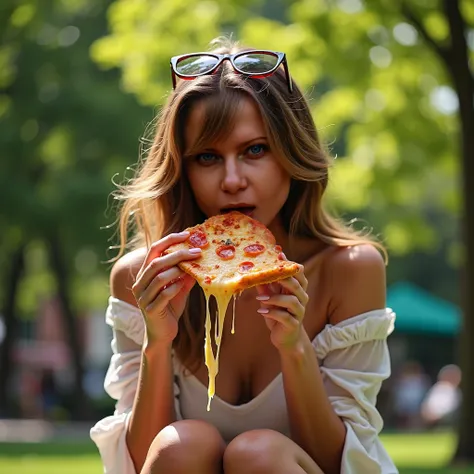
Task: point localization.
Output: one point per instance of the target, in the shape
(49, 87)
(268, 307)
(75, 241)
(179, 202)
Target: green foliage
(375, 91)
(145, 34)
(73, 73)
(65, 128)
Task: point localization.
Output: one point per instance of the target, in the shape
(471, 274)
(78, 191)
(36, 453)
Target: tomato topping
(226, 252)
(198, 239)
(246, 266)
(278, 248)
(228, 221)
(254, 249)
(208, 280)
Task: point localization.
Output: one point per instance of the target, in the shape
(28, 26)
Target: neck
(296, 249)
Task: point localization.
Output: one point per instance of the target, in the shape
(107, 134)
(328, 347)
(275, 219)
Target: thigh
(267, 451)
(183, 446)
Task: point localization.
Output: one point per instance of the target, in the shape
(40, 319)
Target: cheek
(277, 182)
(201, 184)
(193, 178)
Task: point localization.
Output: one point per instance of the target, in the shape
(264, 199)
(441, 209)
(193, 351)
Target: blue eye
(206, 158)
(257, 150)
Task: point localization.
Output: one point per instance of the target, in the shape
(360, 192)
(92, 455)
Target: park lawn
(413, 454)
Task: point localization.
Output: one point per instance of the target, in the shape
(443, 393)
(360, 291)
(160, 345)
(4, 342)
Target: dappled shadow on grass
(66, 449)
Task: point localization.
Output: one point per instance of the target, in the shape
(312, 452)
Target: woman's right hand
(162, 288)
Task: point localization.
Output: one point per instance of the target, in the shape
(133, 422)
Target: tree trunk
(455, 57)
(458, 65)
(12, 280)
(465, 449)
(80, 402)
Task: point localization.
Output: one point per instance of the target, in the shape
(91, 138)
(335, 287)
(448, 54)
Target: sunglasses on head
(253, 63)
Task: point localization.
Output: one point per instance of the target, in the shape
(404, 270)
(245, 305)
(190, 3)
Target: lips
(246, 209)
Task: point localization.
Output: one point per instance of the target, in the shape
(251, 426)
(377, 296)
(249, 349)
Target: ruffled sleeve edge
(123, 316)
(365, 327)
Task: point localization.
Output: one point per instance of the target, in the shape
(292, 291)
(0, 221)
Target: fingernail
(184, 233)
(195, 250)
(263, 298)
(263, 310)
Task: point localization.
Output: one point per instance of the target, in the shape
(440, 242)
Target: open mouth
(247, 210)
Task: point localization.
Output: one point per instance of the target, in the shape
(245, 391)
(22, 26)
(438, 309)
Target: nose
(234, 179)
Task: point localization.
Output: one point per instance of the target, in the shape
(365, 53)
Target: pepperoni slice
(226, 252)
(198, 239)
(254, 249)
(246, 266)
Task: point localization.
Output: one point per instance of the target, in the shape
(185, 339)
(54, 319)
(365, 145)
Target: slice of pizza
(238, 252)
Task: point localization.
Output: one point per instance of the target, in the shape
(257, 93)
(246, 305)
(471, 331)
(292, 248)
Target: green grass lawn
(413, 454)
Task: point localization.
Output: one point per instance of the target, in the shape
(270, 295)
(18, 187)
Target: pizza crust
(237, 231)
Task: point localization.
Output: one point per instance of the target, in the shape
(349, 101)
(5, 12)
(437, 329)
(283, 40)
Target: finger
(263, 290)
(160, 264)
(288, 302)
(188, 283)
(301, 277)
(269, 288)
(269, 323)
(279, 316)
(161, 245)
(159, 282)
(294, 287)
(164, 297)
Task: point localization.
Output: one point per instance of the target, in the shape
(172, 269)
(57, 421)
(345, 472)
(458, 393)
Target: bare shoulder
(355, 277)
(124, 273)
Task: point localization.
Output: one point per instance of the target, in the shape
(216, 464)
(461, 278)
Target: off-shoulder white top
(353, 356)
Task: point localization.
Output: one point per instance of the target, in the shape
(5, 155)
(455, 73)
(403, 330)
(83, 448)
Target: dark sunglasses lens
(195, 65)
(256, 63)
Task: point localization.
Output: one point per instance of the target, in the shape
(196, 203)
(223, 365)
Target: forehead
(213, 124)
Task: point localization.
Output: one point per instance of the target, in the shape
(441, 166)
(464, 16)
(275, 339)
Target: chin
(272, 222)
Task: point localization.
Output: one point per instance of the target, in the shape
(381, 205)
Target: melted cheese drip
(233, 315)
(222, 296)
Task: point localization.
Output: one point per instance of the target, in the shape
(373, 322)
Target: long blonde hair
(159, 200)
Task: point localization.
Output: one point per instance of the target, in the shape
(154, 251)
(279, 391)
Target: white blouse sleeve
(121, 384)
(354, 361)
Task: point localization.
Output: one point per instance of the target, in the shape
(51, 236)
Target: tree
(454, 54)
(393, 90)
(65, 129)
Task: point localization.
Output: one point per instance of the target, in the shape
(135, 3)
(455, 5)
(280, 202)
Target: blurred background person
(441, 404)
(409, 390)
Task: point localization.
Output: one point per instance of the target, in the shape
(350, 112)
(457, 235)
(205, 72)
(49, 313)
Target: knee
(258, 450)
(183, 446)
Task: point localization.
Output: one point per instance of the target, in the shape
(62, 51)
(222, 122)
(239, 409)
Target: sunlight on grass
(51, 465)
(420, 450)
(412, 453)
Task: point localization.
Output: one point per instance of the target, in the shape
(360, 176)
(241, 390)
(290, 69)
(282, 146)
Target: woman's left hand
(283, 305)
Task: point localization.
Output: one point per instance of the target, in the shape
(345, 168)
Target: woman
(298, 380)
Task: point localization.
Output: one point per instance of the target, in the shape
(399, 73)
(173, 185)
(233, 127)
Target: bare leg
(265, 452)
(183, 447)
